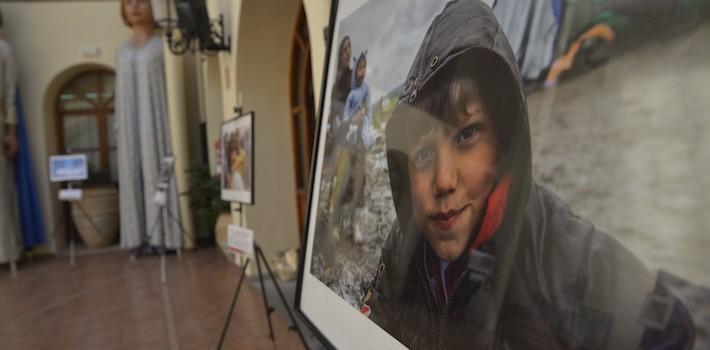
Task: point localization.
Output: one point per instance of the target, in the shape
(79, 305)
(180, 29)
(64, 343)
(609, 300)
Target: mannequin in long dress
(10, 236)
(143, 134)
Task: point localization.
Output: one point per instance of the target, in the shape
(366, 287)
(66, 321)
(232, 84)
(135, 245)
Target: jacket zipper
(444, 313)
(429, 302)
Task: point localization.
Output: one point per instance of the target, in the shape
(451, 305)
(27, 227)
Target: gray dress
(143, 135)
(10, 239)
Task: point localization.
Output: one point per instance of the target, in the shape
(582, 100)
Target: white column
(318, 16)
(175, 89)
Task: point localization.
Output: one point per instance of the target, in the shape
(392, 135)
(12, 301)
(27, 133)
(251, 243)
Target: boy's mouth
(446, 220)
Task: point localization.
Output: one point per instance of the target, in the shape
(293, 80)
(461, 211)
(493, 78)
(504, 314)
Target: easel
(69, 168)
(260, 258)
(67, 216)
(66, 219)
(63, 219)
(166, 175)
(268, 310)
(164, 209)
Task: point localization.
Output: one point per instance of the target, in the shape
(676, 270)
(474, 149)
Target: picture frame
(334, 320)
(237, 159)
(362, 199)
(69, 167)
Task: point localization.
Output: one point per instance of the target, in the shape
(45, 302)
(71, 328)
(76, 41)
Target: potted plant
(207, 204)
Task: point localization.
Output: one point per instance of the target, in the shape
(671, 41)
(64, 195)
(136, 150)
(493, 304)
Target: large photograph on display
(511, 174)
(237, 153)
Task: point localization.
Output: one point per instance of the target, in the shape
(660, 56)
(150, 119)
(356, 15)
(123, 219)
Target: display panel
(237, 152)
(499, 174)
(70, 167)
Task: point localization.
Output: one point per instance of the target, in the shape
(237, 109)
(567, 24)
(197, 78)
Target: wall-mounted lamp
(193, 28)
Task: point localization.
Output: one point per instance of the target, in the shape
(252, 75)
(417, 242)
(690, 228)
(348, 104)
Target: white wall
(218, 81)
(263, 63)
(48, 38)
(257, 68)
(212, 107)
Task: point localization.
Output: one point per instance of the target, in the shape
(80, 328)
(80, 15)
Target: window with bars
(85, 112)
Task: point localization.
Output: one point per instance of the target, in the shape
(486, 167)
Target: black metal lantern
(193, 28)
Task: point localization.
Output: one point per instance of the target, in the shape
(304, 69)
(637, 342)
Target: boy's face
(360, 73)
(452, 171)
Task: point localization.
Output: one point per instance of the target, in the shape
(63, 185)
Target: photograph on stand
(237, 152)
(492, 174)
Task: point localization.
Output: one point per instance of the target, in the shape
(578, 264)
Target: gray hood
(465, 33)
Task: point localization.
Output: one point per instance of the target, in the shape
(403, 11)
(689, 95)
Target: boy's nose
(445, 177)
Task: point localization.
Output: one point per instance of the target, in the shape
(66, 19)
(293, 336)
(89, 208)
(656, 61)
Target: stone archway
(57, 237)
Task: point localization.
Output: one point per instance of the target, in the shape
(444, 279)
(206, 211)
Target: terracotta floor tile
(110, 302)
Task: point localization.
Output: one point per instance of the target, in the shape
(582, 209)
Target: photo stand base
(260, 258)
(167, 173)
(162, 249)
(58, 222)
(68, 230)
(13, 269)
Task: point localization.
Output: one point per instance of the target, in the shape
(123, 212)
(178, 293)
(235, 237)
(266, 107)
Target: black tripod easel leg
(259, 257)
(267, 307)
(231, 307)
(294, 327)
(183, 232)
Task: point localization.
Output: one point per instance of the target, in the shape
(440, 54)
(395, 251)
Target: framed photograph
(70, 167)
(237, 152)
(464, 146)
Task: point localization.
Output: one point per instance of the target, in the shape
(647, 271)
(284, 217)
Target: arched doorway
(302, 111)
(84, 108)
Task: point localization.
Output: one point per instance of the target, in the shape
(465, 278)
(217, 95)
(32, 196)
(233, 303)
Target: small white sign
(240, 240)
(70, 167)
(70, 194)
(90, 51)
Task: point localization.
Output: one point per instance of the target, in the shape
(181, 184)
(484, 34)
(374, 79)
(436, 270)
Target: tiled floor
(110, 302)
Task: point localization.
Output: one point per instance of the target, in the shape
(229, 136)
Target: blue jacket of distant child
(358, 138)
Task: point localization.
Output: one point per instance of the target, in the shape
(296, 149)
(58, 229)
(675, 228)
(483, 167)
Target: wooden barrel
(96, 216)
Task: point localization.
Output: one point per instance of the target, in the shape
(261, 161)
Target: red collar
(495, 209)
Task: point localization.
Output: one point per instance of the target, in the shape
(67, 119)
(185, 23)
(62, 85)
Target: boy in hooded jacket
(481, 256)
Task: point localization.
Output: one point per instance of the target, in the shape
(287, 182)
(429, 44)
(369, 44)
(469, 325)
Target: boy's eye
(468, 134)
(423, 156)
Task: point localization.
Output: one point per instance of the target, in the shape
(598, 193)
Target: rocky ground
(343, 264)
